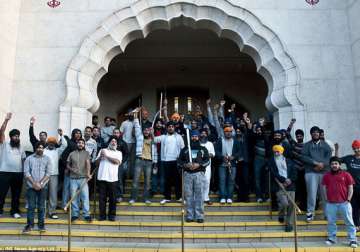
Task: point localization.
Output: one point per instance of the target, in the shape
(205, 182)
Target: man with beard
(157, 175)
(123, 148)
(338, 188)
(194, 177)
(37, 169)
(171, 145)
(64, 172)
(145, 118)
(279, 140)
(12, 156)
(146, 156)
(228, 152)
(127, 131)
(316, 155)
(352, 163)
(261, 155)
(107, 130)
(54, 154)
(96, 136)
(78, 164)
(33, 139)
(90, 144)
(107, 176)
(297, 146)
(210, 148)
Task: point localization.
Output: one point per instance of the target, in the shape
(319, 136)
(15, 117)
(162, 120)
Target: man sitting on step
(194, 177)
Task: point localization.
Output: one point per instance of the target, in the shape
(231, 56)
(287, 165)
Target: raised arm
(3, 127)
(210, 113)
(33, 139)
(217, 123)
(222, 109)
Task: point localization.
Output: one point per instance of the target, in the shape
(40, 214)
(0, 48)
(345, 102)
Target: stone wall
(317, 38)
(9, 19)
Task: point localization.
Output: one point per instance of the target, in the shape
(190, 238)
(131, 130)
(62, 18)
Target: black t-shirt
(353, 167)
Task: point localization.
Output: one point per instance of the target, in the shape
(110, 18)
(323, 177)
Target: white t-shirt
(127, 129)
(107, 170)
(11, 158)
(210, 148)
(171, 151)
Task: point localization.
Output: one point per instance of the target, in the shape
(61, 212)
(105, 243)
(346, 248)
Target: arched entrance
(143, 17)
(188, 66)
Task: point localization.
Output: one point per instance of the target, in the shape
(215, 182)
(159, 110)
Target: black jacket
(236, 151)
(200, 155)
(291, 172)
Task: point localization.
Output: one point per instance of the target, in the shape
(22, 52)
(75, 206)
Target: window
(189, 104)
(176, 104)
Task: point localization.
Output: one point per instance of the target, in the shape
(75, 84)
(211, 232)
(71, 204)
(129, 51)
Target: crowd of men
(218, 152)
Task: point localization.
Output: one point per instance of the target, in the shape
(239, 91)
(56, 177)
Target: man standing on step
(78, 163)
(283, 169)
(194, 177)
(146, 156)
(37, 170)
(12, 156)
(171, 145)
(210, 148)
(110, 159)
(228, 152)
(338, 187)
(127, 131)
(316, 155)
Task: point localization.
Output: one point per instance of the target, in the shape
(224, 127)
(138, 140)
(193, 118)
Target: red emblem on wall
(53, 3)
(312, 2)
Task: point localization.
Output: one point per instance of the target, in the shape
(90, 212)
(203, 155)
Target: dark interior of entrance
(187, 65)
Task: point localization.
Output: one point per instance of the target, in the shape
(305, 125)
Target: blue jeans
(120, 183)
(36, 199)
(158, 179)
(346, 212)
(226, 182)
(146, 167)
(66, 191)
(260, 178)
(84, 197)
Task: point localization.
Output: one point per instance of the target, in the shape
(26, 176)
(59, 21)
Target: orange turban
(227, 129)
(51, 140)
(175, 117)
(278, 148)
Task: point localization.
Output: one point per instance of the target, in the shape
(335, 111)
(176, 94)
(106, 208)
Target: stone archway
(144, 16)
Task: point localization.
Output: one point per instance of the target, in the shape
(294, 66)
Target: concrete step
(175, 215)
(10, 223)
(304, 246)
(168, 237)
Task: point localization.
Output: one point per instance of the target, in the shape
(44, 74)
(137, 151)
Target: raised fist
(222, 102)
(208, 101)
(8, 116)
(32, 120)
(60, 132)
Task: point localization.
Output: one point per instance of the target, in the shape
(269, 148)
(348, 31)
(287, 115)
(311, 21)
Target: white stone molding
(144, 16)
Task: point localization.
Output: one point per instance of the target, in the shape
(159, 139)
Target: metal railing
(296, 211)
(68, 206)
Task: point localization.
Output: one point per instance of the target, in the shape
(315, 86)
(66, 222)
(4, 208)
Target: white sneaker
(16, 216)
(164, 201)
(229, 201)
(353, 244)
(147, 202)
(222, 201)
(179, 200)
(309, 217)
(131, 202)
(259, 200)
(330, 242)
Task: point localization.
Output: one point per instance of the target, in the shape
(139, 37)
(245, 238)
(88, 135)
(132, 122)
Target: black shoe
(281, 219)
(200, 220)
(101, 218)
(42, 229)
(88, 219)
(189, 220)
(74, 218)
(289, 228)
(208, 202)
(111, 218)
(27, 229)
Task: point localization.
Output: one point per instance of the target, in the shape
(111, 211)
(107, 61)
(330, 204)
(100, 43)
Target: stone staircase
(238, 227)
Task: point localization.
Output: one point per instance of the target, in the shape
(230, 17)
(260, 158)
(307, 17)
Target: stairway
(238, 227)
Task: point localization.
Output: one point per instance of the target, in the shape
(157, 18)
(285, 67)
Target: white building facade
(307, 57)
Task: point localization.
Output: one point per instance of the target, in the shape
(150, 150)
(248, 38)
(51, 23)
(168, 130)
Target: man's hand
(32, 120)
(262, 121)
(165, 102)
(293, 121)
(195, 166)
(216, 107)
(102, 154)
(287, 182)
(222, 103)
(37, 186)
(8, 116)
(247, 120)
(188, 166)
(336, 146)
(89, 176)
(233, 107)
(60, 132)
(208, 101)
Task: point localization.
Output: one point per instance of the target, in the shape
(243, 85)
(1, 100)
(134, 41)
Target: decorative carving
(53, 3)
(312, 2)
